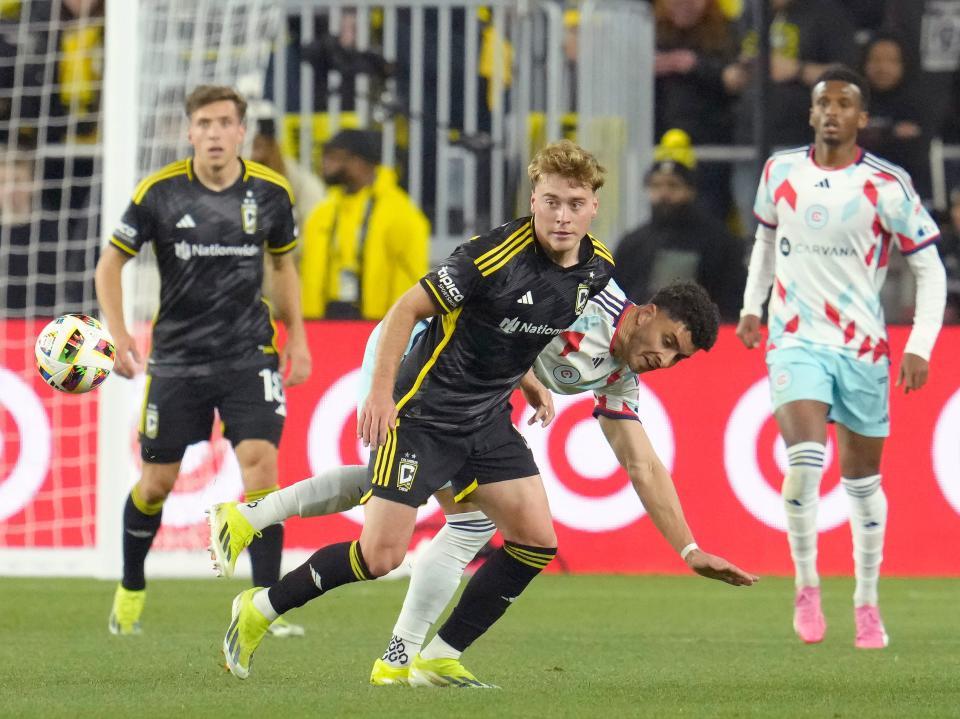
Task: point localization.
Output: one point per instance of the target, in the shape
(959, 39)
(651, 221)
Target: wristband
(686, 550)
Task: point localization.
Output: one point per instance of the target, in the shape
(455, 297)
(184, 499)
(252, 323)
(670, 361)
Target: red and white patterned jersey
(834, 228)
(579, 359)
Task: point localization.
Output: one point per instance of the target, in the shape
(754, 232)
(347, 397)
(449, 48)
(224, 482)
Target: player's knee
(800, 485)
(382, 557)
(533, 537)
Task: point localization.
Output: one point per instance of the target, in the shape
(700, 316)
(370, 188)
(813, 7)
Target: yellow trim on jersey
(601, 249)
(365, 498)
(255, 169)
(274, 347)
(381, 470)
(513, 253)
(497, 253)
(143, 405)
(120, 246)
(282, 250)
(467, 490)
(443, 305)
(355, 562)
(449, 325)
(525, 556)
(181, 167)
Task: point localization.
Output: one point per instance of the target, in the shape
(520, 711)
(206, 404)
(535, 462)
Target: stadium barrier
(709, 419)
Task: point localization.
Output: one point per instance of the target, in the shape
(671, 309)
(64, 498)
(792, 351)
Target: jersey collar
(856, 160)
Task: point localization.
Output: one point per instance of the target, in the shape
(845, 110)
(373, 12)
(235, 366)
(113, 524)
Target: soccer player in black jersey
(210, 218)
(444, 413)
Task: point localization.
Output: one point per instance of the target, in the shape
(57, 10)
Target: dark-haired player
(210, 218)
(829, 213)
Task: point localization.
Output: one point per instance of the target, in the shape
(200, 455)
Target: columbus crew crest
(583, 294)
(248, 214)
(406, 471)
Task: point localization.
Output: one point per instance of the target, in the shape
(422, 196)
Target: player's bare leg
(803, 424)
(141, 521)
(860, 475)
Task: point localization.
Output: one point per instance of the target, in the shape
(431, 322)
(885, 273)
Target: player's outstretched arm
(379, 413)
(654, 486)
(538, 397)
(931, 299)
(759, 280)
(295, 355)
(110, 296)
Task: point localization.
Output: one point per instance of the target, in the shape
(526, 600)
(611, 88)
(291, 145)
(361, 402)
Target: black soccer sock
(266, 551)
(140, 524)
(328, 568)
(492, 590)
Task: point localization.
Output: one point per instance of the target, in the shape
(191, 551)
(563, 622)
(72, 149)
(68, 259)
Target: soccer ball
(74, 353)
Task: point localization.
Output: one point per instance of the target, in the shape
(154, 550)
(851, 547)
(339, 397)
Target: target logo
(755, 458)
(332, 437)
(30, 466)
(946, 451)
(587, 487)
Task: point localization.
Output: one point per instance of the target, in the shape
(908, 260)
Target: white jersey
(834, 228)
(577, 360)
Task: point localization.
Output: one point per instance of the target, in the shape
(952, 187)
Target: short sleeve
(764, 207)
(619, 398)
(454, 280)
(282, 234)
(135, 227)
(903, 215)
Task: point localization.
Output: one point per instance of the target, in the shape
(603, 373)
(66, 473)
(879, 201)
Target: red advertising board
(709, 419)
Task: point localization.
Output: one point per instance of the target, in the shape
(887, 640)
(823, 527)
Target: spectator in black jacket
(895, 130)
(681, 241)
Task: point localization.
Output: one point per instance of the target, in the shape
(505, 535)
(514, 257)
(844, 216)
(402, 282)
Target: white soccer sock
(868, 523)
(332, 491)
(436, 575)
(439, 649)
(801, 492)
(261, 600)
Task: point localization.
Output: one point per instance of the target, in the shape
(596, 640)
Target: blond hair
(204, 95)
(569, 160)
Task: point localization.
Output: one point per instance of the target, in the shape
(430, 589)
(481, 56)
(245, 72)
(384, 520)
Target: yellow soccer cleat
(247, 629)
(384, 675)
(281, 629)
(126, 611)
(230, 532)
(443, 673)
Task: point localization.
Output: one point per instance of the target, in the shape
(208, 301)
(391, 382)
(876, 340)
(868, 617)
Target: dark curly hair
(842, 73)
(689, 303)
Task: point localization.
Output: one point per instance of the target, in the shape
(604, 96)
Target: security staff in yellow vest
(366, 243)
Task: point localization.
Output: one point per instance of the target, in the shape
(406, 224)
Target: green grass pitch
(585, 646)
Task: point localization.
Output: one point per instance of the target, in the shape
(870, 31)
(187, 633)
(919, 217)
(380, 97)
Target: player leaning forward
(828, 214)
(210, 218)
(443, 414)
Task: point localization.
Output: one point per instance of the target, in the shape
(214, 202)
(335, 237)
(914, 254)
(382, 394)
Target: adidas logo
(526, 299)
(824, 183)
(186, 222)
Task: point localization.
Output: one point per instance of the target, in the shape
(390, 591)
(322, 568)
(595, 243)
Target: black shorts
(418, 459)
(178, 411)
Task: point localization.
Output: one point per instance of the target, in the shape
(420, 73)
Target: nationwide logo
(510, 325)
(185, 250)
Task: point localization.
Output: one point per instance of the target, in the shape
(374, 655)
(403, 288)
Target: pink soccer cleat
(808, 621)
(870, 631)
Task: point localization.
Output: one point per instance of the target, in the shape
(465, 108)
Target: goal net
(89, 104)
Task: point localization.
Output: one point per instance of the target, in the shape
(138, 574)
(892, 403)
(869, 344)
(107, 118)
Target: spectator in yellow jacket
(366, 243)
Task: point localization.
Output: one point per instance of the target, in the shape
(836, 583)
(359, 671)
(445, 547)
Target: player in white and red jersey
(603, 351)
(829, 214)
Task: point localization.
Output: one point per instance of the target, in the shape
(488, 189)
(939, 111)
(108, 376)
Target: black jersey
(209, 248)
(502, 300)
